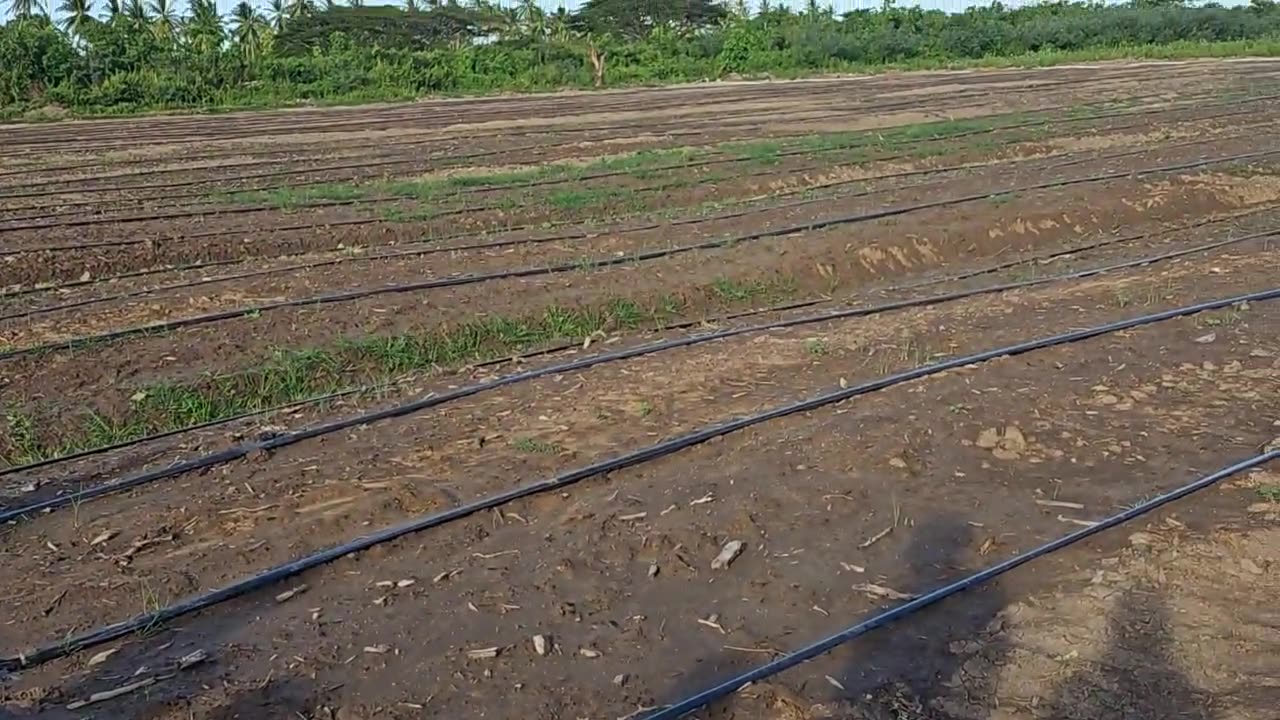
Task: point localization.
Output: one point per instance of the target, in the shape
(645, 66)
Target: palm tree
(135, 12)
(534, 19)
(561, 25)
(277, 14)
(411, 6)
(23, 9)
(76, 14)
(355, 3)
(115, 11)
(250, 30)
(165, 19)
(298, 8)
(204, 29)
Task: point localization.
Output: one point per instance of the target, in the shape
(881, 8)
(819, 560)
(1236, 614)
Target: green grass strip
(293, 375)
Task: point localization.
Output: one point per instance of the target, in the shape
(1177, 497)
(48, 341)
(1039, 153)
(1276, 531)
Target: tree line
(121, 56)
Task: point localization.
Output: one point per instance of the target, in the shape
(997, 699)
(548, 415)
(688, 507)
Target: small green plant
(1219, 318)
(1270, 493)
(816, 346)
(24, 439)
(530, 445)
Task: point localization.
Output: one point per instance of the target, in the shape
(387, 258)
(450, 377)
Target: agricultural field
(580, 405)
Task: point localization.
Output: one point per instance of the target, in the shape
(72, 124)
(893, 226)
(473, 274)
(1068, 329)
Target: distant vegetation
(141, 55)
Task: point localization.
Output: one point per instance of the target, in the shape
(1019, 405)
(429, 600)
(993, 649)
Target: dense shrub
(128, 64)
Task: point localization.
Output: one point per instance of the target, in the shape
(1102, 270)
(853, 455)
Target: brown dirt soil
(825, 261)
(840, 509)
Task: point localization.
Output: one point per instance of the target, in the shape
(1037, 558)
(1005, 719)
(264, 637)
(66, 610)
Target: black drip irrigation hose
(244, 449)
(464, 210)
(743, 120)
(732, 316)
(412, 249)
(366, 163)
(964, 276)
(416, 249)
(111, 632)
(204, 211)
(368, 389)
(722, 690)
(367, 221)
(615, 173)
(392, 122)
(614, 261)
(446, 118)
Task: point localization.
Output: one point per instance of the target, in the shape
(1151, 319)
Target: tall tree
(115, 11)
(534, 19)
(23, 9)
(299, 8)
(204, 29)
(164, 19)
(277, 15)
(561, 26)
(135, 12)
(76, 15)
(250, 30)
(637, 18)
(412, 6)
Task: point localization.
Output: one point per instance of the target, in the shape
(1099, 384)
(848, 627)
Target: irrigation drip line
(244, 449)
(325, 144)
(367, 389)
(314, 123)
(459, 211)
(111, 632)
(377, 161)
(432, 248)
(551, 181)
(203, 211)
(715, 123)
(1107, 242)
(384, 121)
(732, 316)
(772, 94)
(701, 699)
(612, 261)
(364, 163)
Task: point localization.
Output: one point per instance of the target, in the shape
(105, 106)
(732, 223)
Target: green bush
(381, 53)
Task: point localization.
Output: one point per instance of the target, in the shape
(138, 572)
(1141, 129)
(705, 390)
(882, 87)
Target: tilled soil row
(171, 199)
(514, 431)
(701, 190)
(1097, 424)
(819, 261)
(263, 131)
(181, 182)
(786, 193)
(1249, 229)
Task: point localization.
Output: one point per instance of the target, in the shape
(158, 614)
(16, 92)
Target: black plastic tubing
(242, 450)
(634, 258)
(702, 699)
(111, 632)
